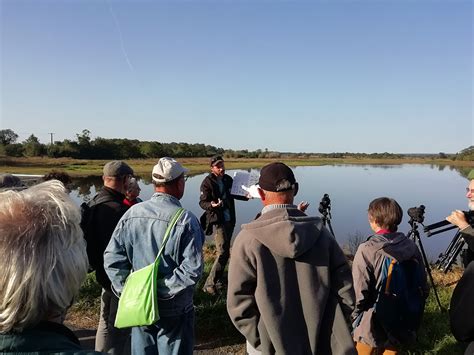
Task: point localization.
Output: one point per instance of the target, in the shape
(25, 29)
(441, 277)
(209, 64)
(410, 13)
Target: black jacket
(462, 306)
(45, 337)
(104, 220)
(210, 192)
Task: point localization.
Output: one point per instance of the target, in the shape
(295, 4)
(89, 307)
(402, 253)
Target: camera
(325, 204)
(417, 214)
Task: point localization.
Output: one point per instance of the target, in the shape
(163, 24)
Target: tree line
(84, 147)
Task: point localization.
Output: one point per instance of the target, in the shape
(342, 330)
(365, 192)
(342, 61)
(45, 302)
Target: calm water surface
(351, 188)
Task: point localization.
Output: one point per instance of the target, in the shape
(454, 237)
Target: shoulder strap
(171, 225)
(384, 276)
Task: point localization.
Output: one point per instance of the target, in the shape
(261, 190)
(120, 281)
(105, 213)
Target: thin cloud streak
(119, 31)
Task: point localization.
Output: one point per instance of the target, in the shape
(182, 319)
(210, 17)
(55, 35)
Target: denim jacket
(137, 240)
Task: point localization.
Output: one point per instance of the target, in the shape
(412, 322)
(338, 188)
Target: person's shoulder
(189, 216)
(207, 180)
(370, 245)
(246, 239)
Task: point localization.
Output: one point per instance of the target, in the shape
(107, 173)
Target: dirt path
(87, 339)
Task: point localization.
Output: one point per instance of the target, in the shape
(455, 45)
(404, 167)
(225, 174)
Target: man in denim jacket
(135, 244)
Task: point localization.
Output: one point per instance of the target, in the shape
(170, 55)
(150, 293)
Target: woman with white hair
(131, 195)
(43, 264)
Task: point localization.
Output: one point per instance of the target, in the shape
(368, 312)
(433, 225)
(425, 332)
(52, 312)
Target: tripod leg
(428, 270)
(330, 228)
(452, 258)
(444, 258)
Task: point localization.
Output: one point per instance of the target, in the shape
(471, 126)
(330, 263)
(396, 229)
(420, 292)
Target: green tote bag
(138, 303)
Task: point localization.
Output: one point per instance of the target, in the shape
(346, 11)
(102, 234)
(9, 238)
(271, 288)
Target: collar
(278, 206)
(52, 327)
(383, 231)
(166, 196)
(113, 192)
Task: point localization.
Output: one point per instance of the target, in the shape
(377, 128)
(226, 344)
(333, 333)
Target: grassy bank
(77, 167)
(214, 328)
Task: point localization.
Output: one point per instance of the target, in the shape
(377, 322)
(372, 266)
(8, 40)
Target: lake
(350, 188)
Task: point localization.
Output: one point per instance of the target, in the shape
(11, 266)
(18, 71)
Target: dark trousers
(222, 237)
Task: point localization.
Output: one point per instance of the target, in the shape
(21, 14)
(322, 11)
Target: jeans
(108, 338)
(222, 237)
(169, 336)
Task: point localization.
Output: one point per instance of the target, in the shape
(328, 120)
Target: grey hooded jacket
(290, 287)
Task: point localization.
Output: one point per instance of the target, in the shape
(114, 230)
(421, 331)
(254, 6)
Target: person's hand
(216, 204)
(303, 206)
(458, 219)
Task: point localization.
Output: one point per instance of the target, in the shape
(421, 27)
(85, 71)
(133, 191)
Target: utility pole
(51, 134)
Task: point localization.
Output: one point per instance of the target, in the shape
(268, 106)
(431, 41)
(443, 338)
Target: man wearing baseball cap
(103, 213)
(290, 286)
(135, 244)
(219, 217)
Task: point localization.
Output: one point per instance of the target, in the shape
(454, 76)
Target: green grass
(142, 167)
(434, 336)
(212, 320)
(89, 295)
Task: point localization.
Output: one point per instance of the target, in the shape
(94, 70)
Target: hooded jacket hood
(286, 232)
(395, 245)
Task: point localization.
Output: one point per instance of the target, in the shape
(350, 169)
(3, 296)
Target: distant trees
(84, 147)
(466, 154)
(7, 136)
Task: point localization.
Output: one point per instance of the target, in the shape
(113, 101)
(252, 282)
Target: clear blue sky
(299, 76)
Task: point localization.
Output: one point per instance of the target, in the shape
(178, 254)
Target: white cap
(166, 170)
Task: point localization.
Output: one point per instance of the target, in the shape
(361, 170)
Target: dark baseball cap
(117, 168)
(277, 177)
(215, 160)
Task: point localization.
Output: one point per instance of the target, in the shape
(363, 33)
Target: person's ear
(261, 193)
(295, 188)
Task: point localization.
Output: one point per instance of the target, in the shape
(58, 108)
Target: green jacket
(45, 338)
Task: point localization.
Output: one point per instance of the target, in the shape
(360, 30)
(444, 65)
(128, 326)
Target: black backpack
(400, 301)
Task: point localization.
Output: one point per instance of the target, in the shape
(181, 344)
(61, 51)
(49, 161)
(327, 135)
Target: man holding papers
(219, 218)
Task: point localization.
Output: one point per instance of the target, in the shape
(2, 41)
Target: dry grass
(84, 167)
(82, 319)
(449, 279)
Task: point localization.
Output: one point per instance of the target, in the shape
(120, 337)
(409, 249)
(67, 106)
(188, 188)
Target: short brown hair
(386, 212)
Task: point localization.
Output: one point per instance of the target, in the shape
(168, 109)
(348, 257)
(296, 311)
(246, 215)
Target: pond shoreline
(83, 167)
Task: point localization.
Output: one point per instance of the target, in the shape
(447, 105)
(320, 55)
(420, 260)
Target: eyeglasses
(468, 190)
(185, 177)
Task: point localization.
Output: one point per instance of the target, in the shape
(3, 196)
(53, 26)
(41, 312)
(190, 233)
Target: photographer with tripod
(462, 306)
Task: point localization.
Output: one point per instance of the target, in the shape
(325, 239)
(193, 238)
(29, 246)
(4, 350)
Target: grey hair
(43, 254)
(132, 183)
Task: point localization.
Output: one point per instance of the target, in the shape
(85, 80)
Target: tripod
(447, 259)
(325, 210)
(415, 235)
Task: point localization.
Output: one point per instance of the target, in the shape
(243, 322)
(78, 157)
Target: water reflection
(351, 188)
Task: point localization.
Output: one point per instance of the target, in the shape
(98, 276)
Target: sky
(290, 76)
